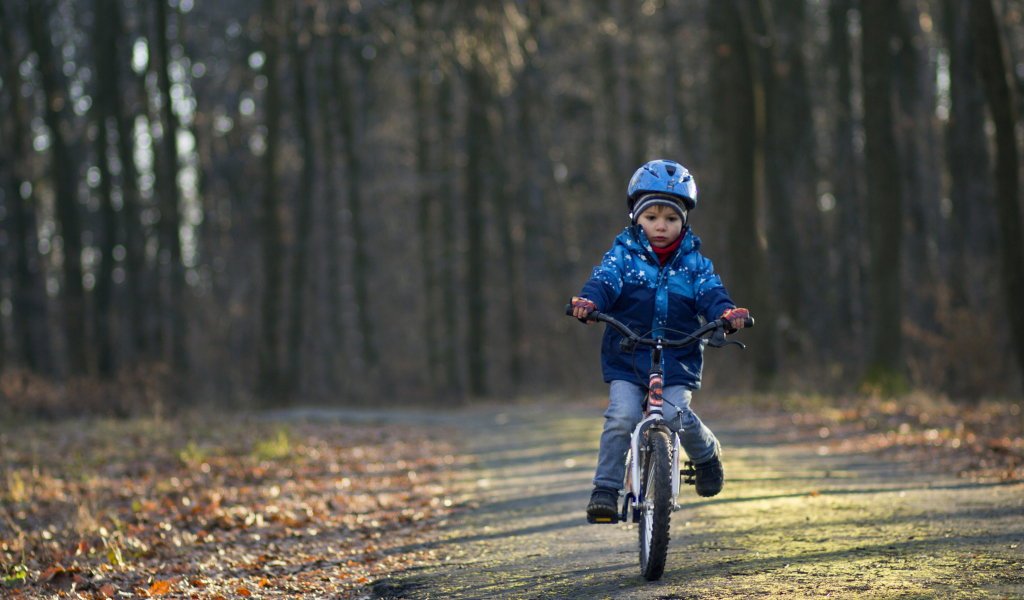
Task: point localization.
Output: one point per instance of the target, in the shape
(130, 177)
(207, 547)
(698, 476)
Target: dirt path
(793, 521)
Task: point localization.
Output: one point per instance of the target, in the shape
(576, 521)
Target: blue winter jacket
(631, 285)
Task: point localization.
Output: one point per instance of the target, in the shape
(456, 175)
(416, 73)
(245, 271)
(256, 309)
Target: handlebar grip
(590, 317)
(748, 323)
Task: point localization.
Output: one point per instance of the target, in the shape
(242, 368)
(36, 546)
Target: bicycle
(653, 470)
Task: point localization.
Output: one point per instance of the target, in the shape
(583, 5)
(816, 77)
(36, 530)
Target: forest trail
(795, 520)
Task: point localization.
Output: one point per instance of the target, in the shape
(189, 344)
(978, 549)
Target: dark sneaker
(603, 507)
(710, 475)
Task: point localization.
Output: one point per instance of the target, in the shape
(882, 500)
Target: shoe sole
(602, 514)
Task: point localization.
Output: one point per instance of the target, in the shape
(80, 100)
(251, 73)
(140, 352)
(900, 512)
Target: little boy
(654, 278)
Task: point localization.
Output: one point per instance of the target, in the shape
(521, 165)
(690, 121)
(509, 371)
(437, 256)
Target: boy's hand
(736, 317)
(581, 307)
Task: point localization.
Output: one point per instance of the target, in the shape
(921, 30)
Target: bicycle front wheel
(656, 508)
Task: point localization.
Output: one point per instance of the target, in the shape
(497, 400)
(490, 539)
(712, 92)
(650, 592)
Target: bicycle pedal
(613, 519)
(689, 473)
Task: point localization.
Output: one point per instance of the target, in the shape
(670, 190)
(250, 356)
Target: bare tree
(299, 43)
(476, 149)
(64, 176)
(885, 198)
(787, 136)
(29, 306)
(273, 245)
(105, 110)
(446, 191)
(426, 190)
(740, 110)
(966, 150)
(353, 112)
(992, 67)
(175, 326)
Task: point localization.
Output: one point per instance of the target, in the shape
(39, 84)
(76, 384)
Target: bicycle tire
(656, 508)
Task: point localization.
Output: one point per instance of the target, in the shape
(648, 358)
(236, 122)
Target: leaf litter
(979, 442)
(219, 507)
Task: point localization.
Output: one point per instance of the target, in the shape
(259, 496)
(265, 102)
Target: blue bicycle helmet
(663, 177)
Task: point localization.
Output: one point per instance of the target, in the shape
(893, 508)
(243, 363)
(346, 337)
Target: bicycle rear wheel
(656, 505)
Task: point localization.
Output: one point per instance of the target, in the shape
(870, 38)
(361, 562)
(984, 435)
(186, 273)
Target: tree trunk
(449, 241)
(608, 65)
(327, 92)
(299, 42)
(788, 138)
(273, 246)
(476, 148)
(966, 151)
(503, 201)
(30, 332)
(175, 326)
(351, 116)
(680, 139)
(545, 250)
(740, 110)
(637, 93)
(107, 90)
(992, 67)
(135, 234)
(916, 93)
(885, 199)
(63, 174)
(845, 173)
(426, 196)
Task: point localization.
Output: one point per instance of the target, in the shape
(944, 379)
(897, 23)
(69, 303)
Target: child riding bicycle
(654, 279)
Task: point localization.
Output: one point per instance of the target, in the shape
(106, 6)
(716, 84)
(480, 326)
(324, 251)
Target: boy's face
(662, 225)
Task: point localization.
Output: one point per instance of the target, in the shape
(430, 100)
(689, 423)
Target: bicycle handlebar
(632, 338)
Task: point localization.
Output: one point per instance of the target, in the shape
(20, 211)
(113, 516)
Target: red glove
(581, 307)
(736, 317)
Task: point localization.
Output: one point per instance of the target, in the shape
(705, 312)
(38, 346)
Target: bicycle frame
(654, 417)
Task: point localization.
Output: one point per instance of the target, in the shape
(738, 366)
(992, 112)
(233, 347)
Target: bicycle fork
(634, 474)
(655, 420)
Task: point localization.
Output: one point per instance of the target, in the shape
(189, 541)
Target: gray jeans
(624, 412)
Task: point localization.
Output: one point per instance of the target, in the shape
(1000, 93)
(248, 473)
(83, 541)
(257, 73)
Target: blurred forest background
(260, 203)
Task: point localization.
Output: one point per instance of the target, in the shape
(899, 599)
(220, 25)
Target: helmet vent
(671, 170)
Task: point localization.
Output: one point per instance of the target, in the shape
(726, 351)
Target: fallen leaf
(159, 587)
(107, 591)
(264, 582)
(243, 592)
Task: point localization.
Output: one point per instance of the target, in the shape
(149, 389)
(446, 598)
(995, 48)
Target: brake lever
(718, 340)
(628, 345)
